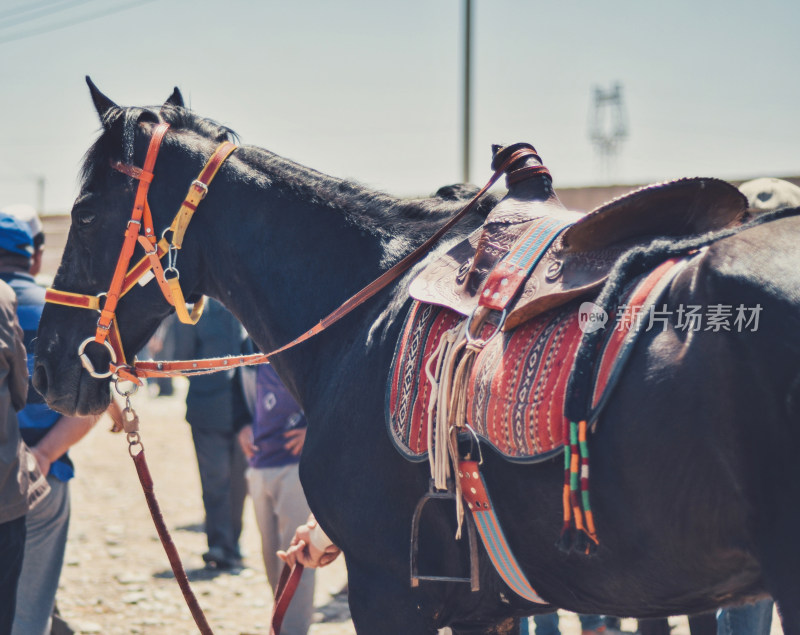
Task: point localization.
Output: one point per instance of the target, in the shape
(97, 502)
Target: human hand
(296, 439)
(304, 551)
(247, 441)
(117, 418)
(42, 459)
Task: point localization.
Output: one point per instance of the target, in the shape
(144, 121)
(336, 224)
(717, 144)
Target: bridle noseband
(140, 230)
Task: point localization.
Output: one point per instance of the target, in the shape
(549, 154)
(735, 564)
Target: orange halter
(140, 229)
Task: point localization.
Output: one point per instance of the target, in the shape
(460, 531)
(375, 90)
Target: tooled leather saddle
(577, 262)
(531, 256)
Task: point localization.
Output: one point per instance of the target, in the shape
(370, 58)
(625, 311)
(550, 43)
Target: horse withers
(693, 482)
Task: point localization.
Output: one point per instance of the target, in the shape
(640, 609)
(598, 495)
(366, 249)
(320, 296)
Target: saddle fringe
(454, 358)
(448, 370)
(444, 410)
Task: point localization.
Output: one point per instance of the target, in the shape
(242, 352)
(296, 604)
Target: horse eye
(86, 218)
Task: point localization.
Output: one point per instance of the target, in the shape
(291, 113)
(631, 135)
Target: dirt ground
(116, 578)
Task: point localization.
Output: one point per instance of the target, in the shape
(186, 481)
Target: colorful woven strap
(473, 488)
(510, 274)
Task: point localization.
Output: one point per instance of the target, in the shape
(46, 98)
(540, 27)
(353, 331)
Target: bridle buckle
(200, 186)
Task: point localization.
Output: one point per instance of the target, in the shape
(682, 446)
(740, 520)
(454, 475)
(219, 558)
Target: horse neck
(281, 250)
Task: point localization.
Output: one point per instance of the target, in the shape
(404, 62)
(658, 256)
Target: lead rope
(130, 423)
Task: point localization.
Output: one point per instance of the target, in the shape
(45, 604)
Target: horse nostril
(40, 379)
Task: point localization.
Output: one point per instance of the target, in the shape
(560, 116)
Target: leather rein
(140, 230)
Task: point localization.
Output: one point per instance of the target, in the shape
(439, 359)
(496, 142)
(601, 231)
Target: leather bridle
(140, 230)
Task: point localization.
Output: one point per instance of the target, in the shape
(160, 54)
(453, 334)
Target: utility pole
(40, 184)
(608, 127)
(467, 115)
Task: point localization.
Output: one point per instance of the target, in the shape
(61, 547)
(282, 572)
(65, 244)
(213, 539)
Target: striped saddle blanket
(518, 382)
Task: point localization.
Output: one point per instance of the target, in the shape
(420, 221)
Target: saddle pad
(518, 384)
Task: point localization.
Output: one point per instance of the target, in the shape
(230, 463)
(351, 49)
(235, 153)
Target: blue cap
(15, 236)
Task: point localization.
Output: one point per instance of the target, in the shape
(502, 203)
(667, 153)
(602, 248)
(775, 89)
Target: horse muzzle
(65, 385)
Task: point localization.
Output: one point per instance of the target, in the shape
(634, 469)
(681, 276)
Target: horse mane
(119, 129)
(383, 215)
(376, 212)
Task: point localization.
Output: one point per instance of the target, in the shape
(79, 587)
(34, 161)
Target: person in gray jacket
(22, 484)
(209, 411)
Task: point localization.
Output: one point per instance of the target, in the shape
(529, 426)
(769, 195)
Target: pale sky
(371, 90)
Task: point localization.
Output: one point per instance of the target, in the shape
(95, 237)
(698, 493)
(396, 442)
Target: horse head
(111, 177)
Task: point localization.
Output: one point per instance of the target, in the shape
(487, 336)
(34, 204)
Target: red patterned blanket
(518, 383)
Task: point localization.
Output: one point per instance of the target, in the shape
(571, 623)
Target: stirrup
(449, 494)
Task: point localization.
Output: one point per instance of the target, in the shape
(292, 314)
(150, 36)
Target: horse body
(692, 479)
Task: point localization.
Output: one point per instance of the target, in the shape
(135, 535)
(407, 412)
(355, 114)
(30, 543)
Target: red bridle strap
(131, 233)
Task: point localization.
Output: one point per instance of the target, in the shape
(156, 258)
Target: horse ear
(176, 99)
(101, 103)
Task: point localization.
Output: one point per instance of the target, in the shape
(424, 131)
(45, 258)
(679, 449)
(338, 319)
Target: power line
(73, 22)
(42, 12)
(23, 8)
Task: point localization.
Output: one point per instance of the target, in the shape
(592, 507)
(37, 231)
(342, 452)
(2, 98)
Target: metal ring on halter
(98, 296)
(172, 260)
(125, 393)
(87, 363)
(498, 329)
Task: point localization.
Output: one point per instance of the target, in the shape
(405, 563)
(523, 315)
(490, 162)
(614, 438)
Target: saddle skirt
(518, 384)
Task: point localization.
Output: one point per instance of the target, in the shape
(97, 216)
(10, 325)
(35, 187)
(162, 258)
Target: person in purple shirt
(272, 440)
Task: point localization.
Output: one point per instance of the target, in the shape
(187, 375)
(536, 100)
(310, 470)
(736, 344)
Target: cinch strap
(473, 488)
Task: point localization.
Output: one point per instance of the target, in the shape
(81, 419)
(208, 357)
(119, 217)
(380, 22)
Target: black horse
(695, 486)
